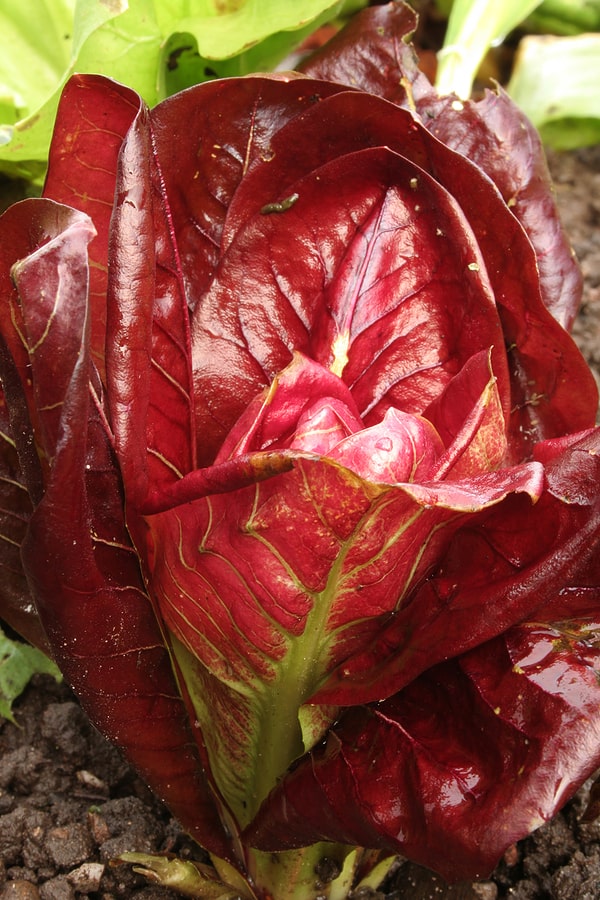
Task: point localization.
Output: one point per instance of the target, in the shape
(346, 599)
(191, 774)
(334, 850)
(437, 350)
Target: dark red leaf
(374, 253)
(16, 605)
(499, 138)
(148, 369)
(470, 757)
(48, 232)
(513, 563)
(92, 119)
(372, 54)
(103, 631)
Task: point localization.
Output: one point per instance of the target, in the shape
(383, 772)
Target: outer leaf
(148, 356)
(25, 147)
(82, 171)
(83, 571)
(22, 425)
(499, 138)
(33, 59)
(565, 17)
(477, 753)
(515, 563)
(135, 42)
(473, 27)
(15, 509)
(46, 231)
(183, 63)
(554, 81)
(371, 54)
(224, 29)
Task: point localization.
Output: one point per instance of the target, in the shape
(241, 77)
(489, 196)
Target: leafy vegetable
(155, 48)
(473, 26)
(18, 662)
(554, 79)
(312, 462)
(565, 17)
(555, 82)
(553, 16)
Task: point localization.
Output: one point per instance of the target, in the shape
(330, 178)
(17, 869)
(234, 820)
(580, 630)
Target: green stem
(473, 26)
(305, 873)
(281, 739)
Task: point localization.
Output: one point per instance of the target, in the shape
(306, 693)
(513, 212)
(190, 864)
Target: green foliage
(156, 48)
(473, 26)
(553, 16)
(18, 662)
(555, 82)
(565, 17)
(555, 77)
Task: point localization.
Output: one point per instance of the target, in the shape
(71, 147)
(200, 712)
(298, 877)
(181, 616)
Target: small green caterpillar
(280, 206)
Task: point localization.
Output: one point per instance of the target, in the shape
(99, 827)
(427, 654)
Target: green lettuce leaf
(555, 82)
(155, 48)
(18, 662)
(565, 17)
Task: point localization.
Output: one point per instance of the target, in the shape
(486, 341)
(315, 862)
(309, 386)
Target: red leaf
(82, 569)
(46, 232)
(374, 253)
(476, 753)
(148, 357)
(15, 509)
(512, 563)
(372, 54)
(93, 117)
(499, 138)
(207, 140)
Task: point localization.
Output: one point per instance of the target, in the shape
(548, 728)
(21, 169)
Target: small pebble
(92, 782)
(19, 890)
(485, 890)
(86, 879)
(511, 855)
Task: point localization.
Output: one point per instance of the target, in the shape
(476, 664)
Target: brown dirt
(69, 805)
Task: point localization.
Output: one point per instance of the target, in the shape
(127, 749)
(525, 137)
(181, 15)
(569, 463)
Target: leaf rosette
(310, 457)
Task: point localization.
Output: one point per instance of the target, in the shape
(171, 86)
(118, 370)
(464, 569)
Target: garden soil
(69, 805)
